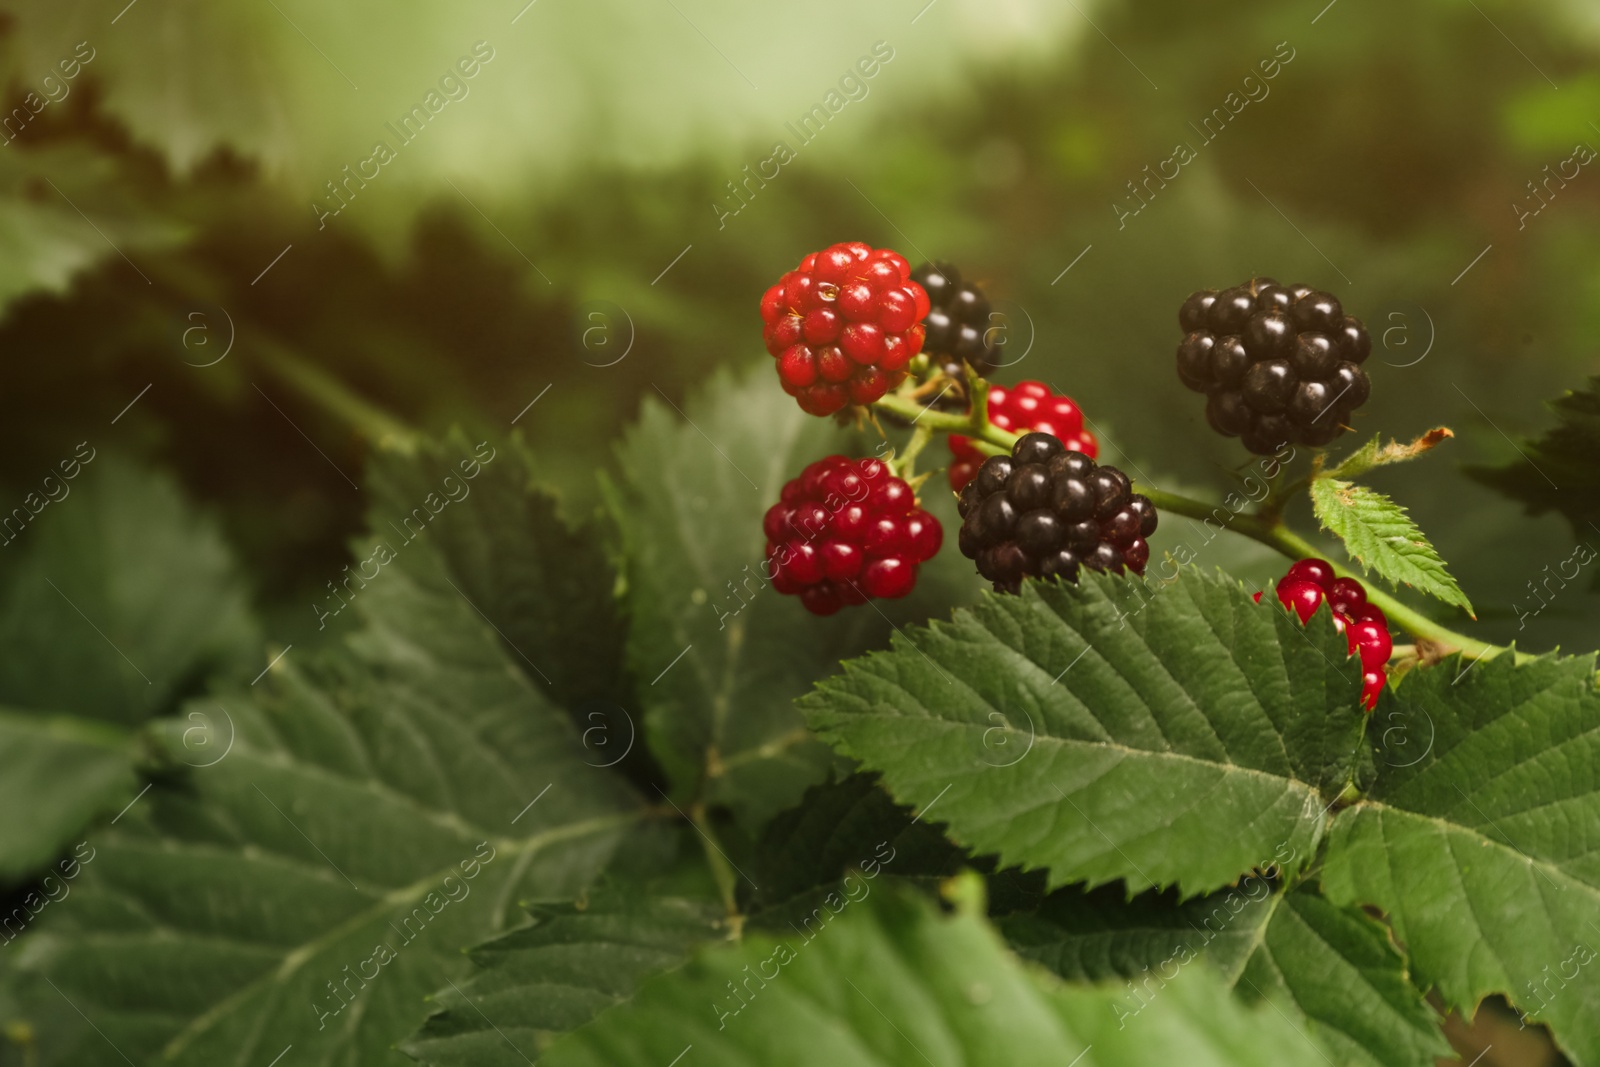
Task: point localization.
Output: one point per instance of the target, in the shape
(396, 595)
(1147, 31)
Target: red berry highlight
(844, 531)
(842, 327)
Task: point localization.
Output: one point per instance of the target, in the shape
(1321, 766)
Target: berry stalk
(1263, 528)
(1276, 535)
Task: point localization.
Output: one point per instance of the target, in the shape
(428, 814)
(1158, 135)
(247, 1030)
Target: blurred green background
(573, 228)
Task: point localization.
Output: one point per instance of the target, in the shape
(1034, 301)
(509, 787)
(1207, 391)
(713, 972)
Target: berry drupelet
(1044, 511)
(843, 325)
(1025, 406)
(846, 530)
(1311, 582)
(957, 322)
(1279, 365)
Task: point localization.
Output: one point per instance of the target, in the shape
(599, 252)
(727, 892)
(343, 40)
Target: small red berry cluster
(1311, 582)
(847, 530)
(844, 328)
(1025, 406)
(843, 325)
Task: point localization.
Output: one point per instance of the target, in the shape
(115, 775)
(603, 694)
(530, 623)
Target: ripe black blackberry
(1279, 365)
(1046, 511)
(957, 325)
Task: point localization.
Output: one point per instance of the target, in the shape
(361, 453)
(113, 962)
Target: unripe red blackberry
(1023, 407)
(1309, 584)
(846, 530)
(1045, 511)
(843, 325)
(1278, 365)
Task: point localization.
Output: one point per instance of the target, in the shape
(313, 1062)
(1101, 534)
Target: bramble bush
(676, 783)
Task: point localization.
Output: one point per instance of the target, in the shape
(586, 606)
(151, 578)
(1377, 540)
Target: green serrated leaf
(371, 814)
(1379, 534)
(889, 980)
(540, 981)
(546, 589)
(1332, 970)
(1175, 735)
(1336, 968)
(125, 600)
(62, 772)
(1480, 849)
(1560, 470)
(721, 656)
(1377, 454)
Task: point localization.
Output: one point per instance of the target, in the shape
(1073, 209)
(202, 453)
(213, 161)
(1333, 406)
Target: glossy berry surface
(1025, 406)
(1045, 511)
(1279, 365)
(1309, 584)
(847, 530)
(843, 325)
(958, 327)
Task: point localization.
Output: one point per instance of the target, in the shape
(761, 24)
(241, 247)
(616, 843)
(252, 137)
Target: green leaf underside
(1484, 849)
(61, 772)
(1332, 970)
(347, 814)
(1379, 534)
(125, 599)
(538, 982)
(1181, 734)
(1560, 470)
(888, 981)
(689, 513)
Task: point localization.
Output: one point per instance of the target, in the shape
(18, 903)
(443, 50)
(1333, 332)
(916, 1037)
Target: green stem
(721, 870)
(323, 389)
(1264, 527)
(904, 464)
(1277, 536)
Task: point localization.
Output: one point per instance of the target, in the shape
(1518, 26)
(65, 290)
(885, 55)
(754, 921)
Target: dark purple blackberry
(1278, 364)
(1045, 511)
(958, 327)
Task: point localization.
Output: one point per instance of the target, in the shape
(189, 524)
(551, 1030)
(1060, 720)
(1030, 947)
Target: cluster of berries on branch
(1279, 365)
(846, 530)
(1309, 584)
(843, 325)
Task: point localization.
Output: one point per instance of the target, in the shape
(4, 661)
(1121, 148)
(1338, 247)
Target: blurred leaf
(373, 813)
(311, 89)
(67, 207)
(541, 981)
(1175, 735)
(1559, 471)
(895, 982)
(1378, 533)
(1478, 850)
(125, 600)
(62, 773)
